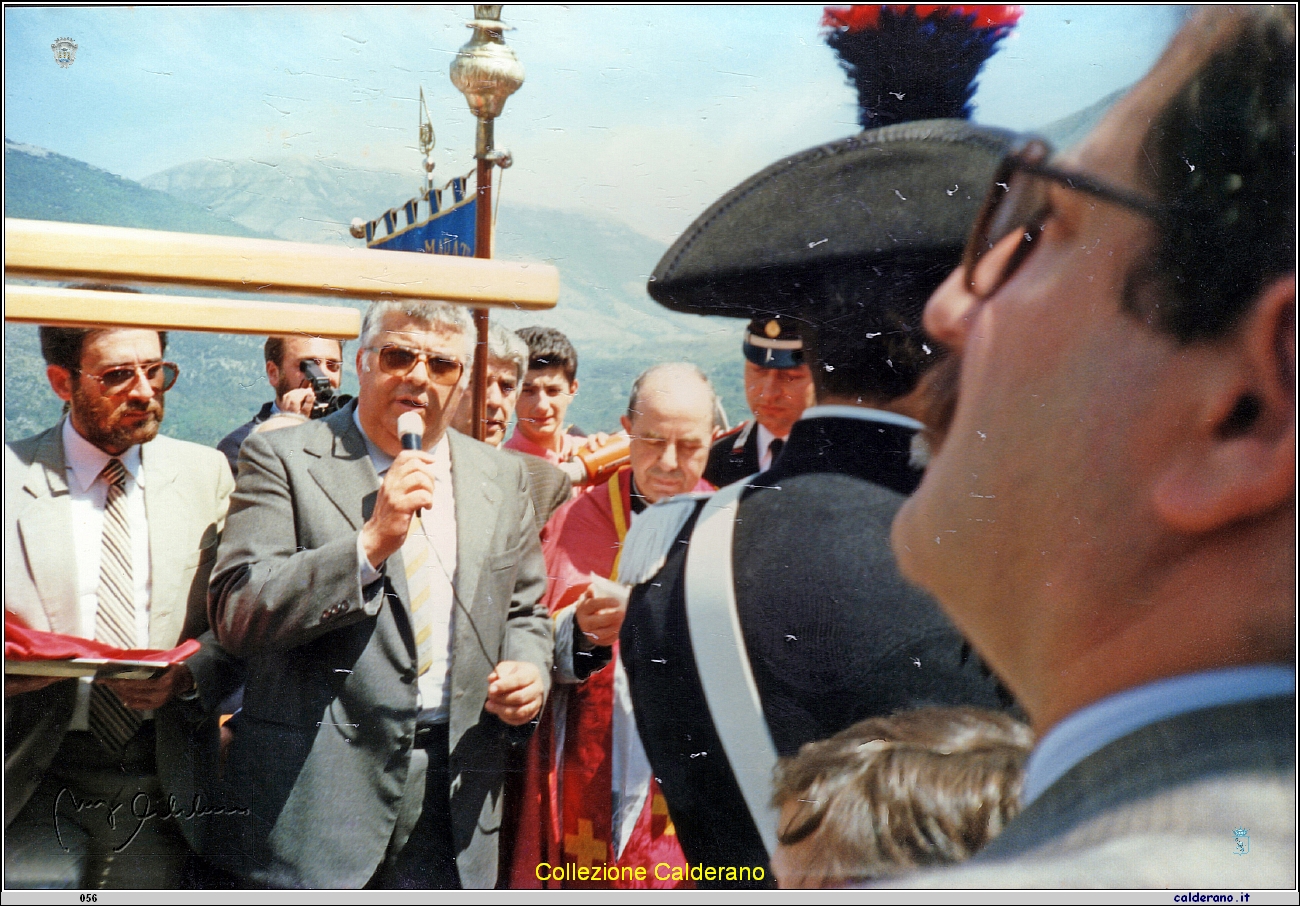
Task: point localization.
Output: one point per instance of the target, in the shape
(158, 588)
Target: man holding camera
(305, 372)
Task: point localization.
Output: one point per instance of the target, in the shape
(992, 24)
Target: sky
(646, 114)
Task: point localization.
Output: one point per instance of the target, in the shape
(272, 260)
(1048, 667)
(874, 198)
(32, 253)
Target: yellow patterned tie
(110, 720)
(417, 554)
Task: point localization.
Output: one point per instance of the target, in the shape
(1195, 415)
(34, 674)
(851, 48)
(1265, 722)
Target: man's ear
(60, 380)
(273, 375)
(1242, 464)
(627, 425)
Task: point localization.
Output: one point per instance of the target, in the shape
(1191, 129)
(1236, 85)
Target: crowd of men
(1026, 476)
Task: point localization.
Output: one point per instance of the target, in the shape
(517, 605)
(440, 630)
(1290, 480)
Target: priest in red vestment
(591, 815)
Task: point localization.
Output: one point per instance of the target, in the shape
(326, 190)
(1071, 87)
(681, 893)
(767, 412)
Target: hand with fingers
(301, 401)
(515, 692)
(600, 611)
(407, 489)
(148, 694)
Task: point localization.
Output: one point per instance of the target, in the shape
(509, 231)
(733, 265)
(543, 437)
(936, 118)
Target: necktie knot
(114, 473)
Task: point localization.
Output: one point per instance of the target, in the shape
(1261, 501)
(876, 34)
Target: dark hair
(62, 345)
(273, 350)
(548, 348)
(921, 787)
(1224, 159)
(866, 339)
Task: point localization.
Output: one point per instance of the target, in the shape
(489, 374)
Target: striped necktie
(110, 720)
(417, 554)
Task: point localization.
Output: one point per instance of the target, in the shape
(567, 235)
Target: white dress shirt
(765, 438)
(439, 523)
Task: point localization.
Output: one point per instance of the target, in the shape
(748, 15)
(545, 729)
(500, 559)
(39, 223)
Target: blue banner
(442, 232)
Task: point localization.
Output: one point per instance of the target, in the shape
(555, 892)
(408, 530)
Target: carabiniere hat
(898, 200)
(772, 341)
(884, 211)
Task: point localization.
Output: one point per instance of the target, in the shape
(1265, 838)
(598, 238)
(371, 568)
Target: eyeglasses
(333, 366)
(160, 375)
(400, 361)
(1018, 200)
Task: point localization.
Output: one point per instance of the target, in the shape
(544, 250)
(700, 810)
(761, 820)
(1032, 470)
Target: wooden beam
(70, 251)
(97, 308)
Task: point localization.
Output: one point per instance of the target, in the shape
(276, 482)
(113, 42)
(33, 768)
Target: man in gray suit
(1111, 517)
(549, 487)
(110, 534)
(384, 590)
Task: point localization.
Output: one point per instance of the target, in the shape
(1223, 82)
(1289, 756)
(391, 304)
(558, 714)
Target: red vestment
(565, 815)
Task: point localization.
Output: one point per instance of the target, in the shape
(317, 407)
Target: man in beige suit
(110, 534)
(387, 599)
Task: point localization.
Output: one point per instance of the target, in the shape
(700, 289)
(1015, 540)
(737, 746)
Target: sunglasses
(1019, 201)
(400, 361)
(333, 366)
(160, 375)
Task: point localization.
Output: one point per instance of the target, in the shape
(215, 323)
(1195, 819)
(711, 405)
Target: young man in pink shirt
(549, 387)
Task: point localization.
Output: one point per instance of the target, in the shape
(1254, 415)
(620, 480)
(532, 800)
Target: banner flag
(449, 231)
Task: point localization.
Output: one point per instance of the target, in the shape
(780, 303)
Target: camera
(327, 400)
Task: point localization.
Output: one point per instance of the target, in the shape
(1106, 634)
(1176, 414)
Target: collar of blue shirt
(1090, 729)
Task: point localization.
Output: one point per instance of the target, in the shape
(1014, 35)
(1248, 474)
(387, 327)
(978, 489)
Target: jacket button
(408, 676)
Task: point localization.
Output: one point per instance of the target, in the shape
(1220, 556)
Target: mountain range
(603, 308)
(603, 263)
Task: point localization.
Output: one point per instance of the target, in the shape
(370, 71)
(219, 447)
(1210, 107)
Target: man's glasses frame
(1013, 204)
(400, 361)
(160, 375)
(333, 366)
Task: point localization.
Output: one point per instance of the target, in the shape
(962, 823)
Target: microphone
(410, 428)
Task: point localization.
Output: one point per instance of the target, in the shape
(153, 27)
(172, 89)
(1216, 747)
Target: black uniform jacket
(833, 632)
(733, 456)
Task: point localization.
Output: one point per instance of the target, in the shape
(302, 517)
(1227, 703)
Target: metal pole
(482, 249)
(487, 72)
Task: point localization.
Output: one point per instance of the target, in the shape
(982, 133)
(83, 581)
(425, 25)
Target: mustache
(144, 407)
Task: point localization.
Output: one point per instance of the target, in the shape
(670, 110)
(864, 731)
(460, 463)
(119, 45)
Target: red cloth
(22, 643)
(582, 538)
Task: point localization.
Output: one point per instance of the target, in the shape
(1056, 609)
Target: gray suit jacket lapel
(346, 476)
(343, 469)
(477, 496)
(46, 530)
